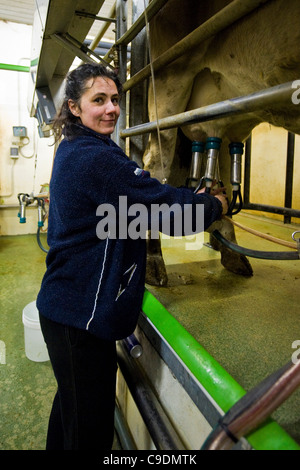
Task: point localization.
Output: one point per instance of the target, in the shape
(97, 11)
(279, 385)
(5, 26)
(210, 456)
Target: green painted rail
(15, 68)
(218, 383)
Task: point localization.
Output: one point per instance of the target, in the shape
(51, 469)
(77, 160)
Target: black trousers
(82, 415)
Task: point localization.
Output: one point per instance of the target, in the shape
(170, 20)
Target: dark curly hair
(76, 81)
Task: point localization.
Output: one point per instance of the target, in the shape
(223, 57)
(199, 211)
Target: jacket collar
(78, 129)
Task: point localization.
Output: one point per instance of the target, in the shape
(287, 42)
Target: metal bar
(272, 209)
(240, 105)
(121, 427)
(121, 14)
(139, 24)
(72, 48)
(247, 171)
(289, 174)
(103, 30)
(80, 50)
(139, 94)
(95, 17)
(224, 18)
(286, 211)
(158, 424)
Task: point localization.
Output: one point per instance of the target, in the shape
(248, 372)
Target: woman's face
(99, 105)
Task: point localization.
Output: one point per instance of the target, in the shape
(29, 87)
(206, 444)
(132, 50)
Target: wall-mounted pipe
(156, 421)
(224, 18)
(15, 68)
(240, 105)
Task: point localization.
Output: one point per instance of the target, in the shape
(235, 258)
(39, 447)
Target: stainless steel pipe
(158, 424)
(240, 105)
(224, 18)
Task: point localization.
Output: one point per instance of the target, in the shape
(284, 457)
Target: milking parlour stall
(211, 102)
(221, 76)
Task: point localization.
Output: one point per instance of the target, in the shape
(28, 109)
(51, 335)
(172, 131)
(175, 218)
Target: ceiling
(22, 11)
(18, 11)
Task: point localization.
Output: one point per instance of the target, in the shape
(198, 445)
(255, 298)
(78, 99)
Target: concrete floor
(247, 324)
(27, 388)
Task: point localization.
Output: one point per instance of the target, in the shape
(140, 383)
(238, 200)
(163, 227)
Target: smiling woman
(99, 105)
(92, 291)
(92, 96)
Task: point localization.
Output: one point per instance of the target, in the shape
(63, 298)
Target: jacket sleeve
(166, 205)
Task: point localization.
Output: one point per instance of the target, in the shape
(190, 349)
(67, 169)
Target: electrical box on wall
(19, 131)
(46, 105)
(14, 153)
(45, 111)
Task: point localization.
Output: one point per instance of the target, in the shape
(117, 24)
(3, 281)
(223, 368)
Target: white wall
(23, 174)
(268, 168)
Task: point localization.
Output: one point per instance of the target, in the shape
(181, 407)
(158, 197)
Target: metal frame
(67, 46)
(287, 210)
(235, 10)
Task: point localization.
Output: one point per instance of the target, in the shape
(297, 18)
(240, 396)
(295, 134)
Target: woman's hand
(219, 193)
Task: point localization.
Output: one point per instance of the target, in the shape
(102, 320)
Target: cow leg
(159, 165)
(156, 274)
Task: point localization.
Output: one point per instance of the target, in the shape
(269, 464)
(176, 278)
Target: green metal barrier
(217, 382)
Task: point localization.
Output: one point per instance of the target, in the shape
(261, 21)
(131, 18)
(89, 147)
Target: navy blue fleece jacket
(91, 283)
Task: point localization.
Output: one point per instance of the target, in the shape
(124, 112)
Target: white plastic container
(35, 346)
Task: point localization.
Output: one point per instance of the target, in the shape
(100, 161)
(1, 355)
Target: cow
(258, 51)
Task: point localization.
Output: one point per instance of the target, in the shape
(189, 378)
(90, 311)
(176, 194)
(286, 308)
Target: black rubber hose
(274, 255)
(39, 240)
(232, 204)
(240, 205)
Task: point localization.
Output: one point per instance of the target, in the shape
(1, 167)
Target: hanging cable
(164, 179)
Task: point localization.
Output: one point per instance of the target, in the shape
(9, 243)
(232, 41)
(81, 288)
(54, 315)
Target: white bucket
(35, 346)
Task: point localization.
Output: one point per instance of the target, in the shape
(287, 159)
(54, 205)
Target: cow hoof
(236, 263)
(156, 274)
(214, 243)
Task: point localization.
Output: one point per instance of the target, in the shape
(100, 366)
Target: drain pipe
(156, 421)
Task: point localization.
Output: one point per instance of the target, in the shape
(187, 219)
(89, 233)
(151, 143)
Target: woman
(92, 291)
